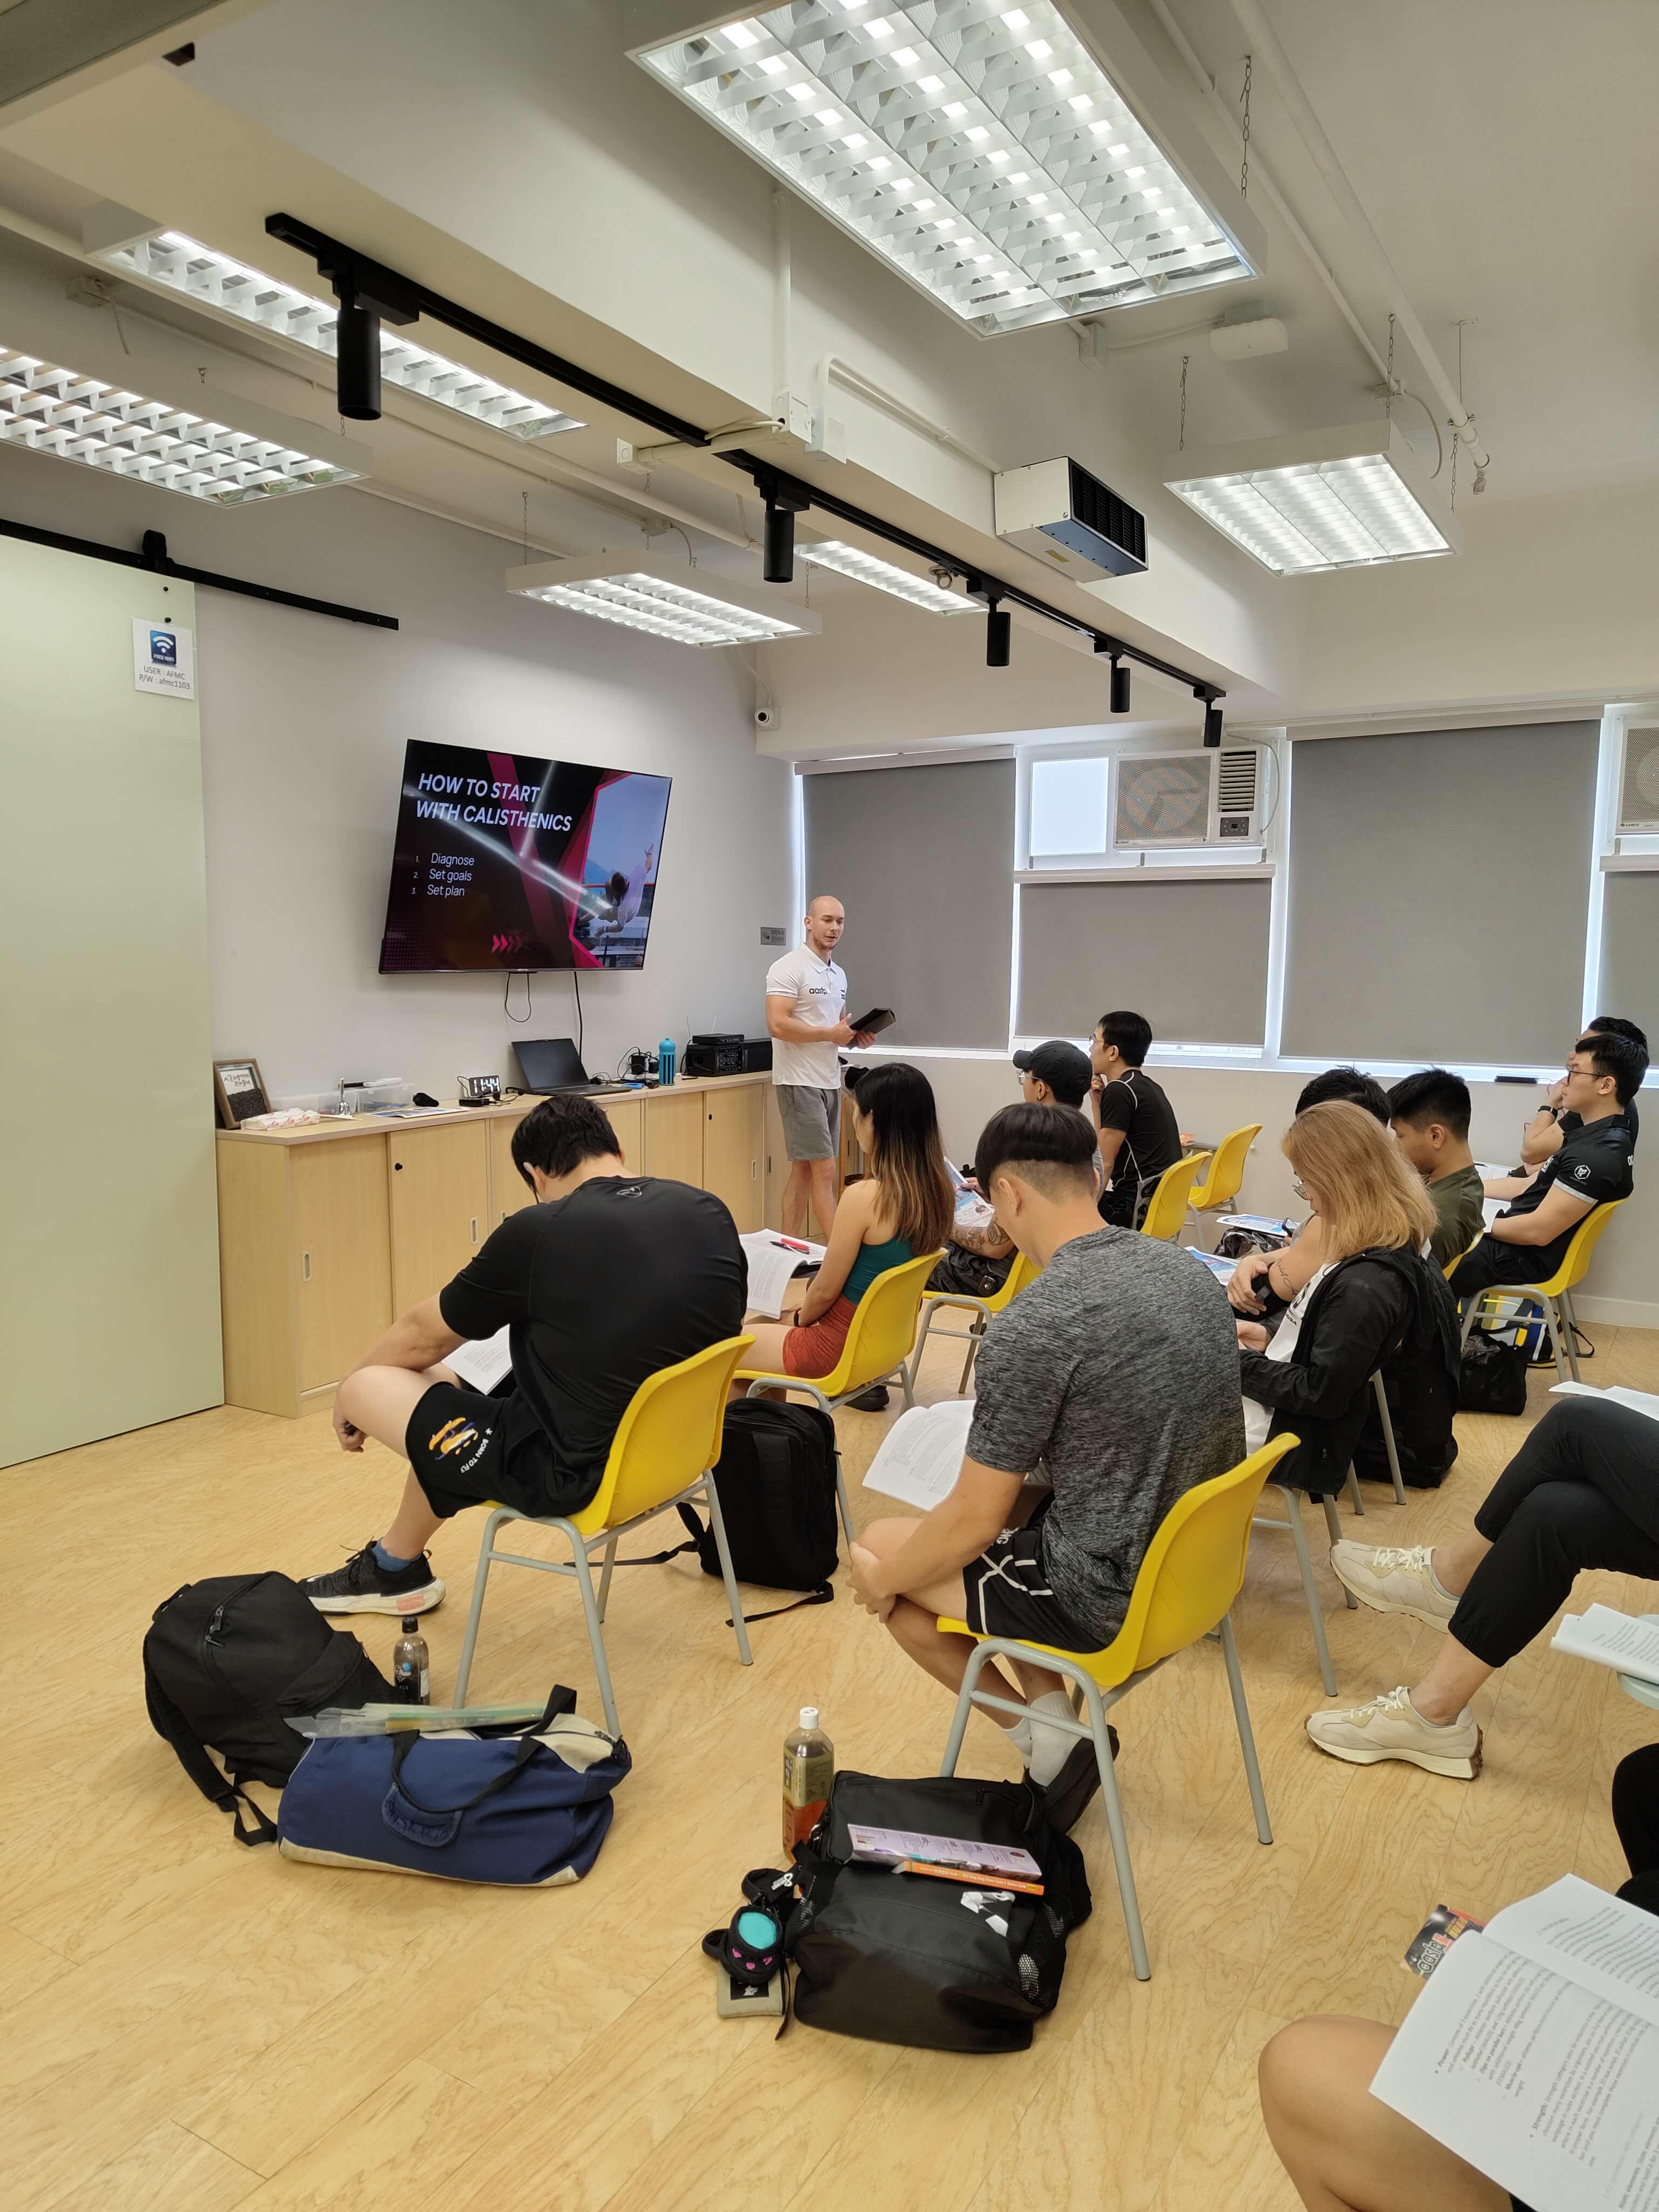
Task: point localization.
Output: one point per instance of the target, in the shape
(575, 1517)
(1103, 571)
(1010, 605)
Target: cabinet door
(439, 1180)
(508, 1190)
(624, 1116)
(342, 1236)
(673, 1136)
(733, 1138)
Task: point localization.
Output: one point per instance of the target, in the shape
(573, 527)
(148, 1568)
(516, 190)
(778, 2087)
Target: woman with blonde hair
(1376, 1301)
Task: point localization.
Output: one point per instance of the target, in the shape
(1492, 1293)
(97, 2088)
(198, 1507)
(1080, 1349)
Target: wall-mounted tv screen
(504, 861)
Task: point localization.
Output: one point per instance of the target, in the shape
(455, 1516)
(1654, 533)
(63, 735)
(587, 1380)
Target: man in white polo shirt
(806, 1019)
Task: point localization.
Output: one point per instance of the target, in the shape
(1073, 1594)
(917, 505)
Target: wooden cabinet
(438, 1184)
(338, 1204)
(673, 1136)
(627, 1118)
(733, 1147)
(508, 1190)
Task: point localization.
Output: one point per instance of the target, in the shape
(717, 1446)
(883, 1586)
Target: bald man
(806, 1019)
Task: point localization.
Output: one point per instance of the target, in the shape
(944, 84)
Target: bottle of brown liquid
(411, 1668)
(809, 1768)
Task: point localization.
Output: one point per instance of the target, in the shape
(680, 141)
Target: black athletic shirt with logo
(1594, 1163)
(1569, 1124)
(1152, 1140)
(601, 1289)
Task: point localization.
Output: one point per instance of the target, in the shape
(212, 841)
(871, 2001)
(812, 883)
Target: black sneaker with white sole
(1065, 1798)
(364, 1585)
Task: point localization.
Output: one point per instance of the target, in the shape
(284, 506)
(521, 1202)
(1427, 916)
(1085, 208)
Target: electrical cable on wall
(576, 986)
(507, 991)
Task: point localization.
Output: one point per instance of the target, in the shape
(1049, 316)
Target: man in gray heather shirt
(1113, 1377)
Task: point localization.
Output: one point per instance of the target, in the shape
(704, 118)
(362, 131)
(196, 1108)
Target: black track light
(1119, 686)
(1213, 721)
(778, 566)
(999, 633)
(357, 360)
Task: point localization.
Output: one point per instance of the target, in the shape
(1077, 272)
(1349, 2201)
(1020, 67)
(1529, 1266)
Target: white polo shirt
(817, 992)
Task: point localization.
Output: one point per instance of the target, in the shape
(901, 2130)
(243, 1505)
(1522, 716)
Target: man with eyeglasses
(1554, 1120)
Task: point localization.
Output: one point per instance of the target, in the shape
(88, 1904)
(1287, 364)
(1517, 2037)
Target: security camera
(767, 717)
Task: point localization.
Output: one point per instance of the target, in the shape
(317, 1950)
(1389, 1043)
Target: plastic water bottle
(666, 1060)
(809, 1768)
(412, 1668)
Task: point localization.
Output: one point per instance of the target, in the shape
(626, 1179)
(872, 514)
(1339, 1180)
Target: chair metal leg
(1309, 1590)
(1548, 1304)
(977, 1659)
(717, 1521)
(1246, 1733)
(1469, 1313)
(1114, 1804)
(475, 1611)
(1568, 1328)
(843, 1501)
(605, 1576)
(1386, 1420)
(595, 1627)
(1354, 1498)
(905, 1384)
(1333, 1524)
(976, 1330)
(928, 1309)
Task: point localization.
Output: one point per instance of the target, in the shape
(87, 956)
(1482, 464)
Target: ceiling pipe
(1265, 42)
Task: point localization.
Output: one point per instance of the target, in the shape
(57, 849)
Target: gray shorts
(812, 1121)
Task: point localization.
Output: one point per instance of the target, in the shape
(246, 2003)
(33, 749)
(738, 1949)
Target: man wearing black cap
(977, 1259)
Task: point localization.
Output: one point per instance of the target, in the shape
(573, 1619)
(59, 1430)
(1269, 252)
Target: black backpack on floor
(913, 1959)
(226, 1660)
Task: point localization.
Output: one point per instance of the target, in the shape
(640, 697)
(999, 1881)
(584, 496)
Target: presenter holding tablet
(806, 1020)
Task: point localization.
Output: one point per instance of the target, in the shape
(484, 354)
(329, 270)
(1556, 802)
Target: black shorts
(1007, 1594)
(467, 1448)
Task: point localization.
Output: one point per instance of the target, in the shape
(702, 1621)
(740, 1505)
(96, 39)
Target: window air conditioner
(1638, 791)
(1162, 801)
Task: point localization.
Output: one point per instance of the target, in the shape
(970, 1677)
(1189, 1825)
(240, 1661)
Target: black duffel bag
(1494, 1379)
(937, 1965)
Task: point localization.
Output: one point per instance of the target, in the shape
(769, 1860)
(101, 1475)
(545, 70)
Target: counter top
(334, 1127)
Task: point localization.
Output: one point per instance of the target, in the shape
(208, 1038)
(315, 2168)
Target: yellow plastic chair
(660, 1456)
(878, 1349)
(1023, 1272)
(1192, 1570)
(1555, 1296)
(1166, 1209)
(1226, 1176)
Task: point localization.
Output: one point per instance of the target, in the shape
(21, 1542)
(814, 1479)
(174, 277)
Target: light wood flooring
(190, 2026)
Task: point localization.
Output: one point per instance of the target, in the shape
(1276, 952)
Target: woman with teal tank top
(899, 1209)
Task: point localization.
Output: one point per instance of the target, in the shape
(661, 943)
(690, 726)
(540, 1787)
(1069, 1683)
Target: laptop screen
(549, 1063)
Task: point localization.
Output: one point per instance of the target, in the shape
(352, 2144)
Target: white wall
(1208, 1102)
(304, 722)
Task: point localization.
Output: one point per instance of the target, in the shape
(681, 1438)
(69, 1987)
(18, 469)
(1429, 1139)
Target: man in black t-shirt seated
(1528, 1240)
(1554, 1122)
(606, 1279)
(1139, 1134)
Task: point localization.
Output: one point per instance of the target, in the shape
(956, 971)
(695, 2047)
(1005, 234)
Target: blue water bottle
(666, 1060)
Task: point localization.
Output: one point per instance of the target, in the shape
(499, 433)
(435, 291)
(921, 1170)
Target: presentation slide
(506, 861)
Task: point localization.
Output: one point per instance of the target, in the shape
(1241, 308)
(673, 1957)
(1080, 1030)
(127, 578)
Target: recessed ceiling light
(887, 576)
(773, 65)
(665, 598)
(238, 453)
(803, 92)
(1351, 498)
(170, 261)
(971, 75)
(740, 35)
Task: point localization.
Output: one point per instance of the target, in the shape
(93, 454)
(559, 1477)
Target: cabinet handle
(754, 1170)
(397, 1167)
(475, 1229)
(304, 1267)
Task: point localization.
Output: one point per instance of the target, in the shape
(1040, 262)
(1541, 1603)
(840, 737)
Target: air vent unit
(1638, 795)
(1070, 519)
(1161, 801)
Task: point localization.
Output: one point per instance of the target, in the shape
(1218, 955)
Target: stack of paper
(1634, 1401)
(484, 1364)
(1612, 1639)
(774, 1260)
(921, 1453)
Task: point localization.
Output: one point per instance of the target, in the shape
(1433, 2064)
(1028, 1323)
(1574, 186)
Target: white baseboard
(1619, 1312)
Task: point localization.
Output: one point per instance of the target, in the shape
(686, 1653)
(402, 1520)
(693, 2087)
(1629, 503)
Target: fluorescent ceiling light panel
(665, 598)
(970, 85)
(169, 261)
(47, 408)
(887, 576)
(1352, 498)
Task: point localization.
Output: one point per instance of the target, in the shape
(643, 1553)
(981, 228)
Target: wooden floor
(190, 2026)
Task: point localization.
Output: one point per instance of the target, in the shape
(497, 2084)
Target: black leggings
(1636, 1816)
(1582, 1492)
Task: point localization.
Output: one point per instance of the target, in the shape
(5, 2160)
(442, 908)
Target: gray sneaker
(1392, 1580)
(1391, 1726)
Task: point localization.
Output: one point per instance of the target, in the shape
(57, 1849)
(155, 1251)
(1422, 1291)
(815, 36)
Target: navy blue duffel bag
(523, 1810)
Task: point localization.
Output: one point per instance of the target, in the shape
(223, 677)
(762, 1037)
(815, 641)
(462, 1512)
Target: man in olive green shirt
(1429, 1115)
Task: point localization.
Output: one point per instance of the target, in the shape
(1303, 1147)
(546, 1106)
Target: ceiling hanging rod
(363, 281)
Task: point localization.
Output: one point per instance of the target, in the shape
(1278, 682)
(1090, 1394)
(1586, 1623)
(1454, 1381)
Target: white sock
(1020, 1736)
(1424, 1718)
(1051, 1747)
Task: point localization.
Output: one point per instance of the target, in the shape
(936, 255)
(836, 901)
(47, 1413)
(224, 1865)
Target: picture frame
(239, 1091)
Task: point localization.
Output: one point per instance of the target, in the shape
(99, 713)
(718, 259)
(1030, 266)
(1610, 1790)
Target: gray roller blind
(1191, 957)
(922, 858)
(1439, 886)
(1630, 951)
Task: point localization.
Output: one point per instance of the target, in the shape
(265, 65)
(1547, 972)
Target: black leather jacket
(1374, 1309)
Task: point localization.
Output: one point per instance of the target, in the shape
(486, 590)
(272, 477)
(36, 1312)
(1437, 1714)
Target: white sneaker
(1391, 1726)
(1390, 1580)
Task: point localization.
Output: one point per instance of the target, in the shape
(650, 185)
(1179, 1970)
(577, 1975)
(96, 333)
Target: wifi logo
(508, 944)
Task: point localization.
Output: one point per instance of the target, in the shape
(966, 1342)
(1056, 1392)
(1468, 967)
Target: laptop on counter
(547, 1065)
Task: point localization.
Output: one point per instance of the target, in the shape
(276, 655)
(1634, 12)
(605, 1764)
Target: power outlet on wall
(770, 935)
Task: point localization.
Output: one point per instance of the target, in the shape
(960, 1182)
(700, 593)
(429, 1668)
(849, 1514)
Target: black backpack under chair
(226, 1661)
